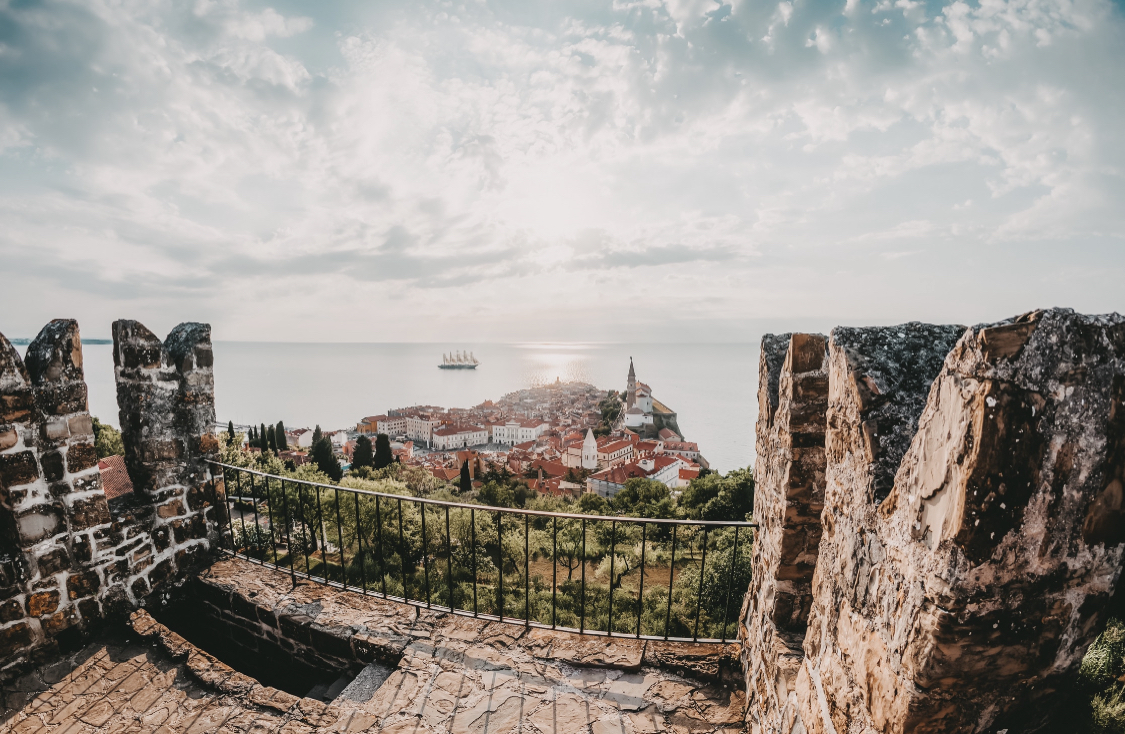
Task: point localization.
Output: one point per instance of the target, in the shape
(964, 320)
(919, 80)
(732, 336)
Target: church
(643, 413)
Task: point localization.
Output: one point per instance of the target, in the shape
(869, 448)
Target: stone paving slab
(456, 676)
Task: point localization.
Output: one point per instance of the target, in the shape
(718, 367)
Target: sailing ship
(458, 361)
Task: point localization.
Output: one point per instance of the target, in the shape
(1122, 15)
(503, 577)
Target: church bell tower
(631, 391)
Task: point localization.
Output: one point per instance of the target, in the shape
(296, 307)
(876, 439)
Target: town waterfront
(713, 387)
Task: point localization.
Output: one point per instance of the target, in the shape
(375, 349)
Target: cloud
(658, 160)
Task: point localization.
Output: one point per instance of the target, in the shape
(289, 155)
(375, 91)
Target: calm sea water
(712, 387)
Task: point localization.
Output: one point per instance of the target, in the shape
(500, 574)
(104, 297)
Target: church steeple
(631, 390)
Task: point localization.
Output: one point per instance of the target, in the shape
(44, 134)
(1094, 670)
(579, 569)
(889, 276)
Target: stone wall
(67, 557)
(788, 498)
(166, 397)
(971, 533)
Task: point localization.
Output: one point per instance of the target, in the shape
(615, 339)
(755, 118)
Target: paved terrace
(455, 674)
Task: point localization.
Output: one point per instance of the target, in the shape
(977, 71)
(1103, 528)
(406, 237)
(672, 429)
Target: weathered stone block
(82, 584)
(161, 572)
(90, 512)
(14, 639)
(10, 611)
(42, 522)
(9, 437)
(80, 457)
(52, 562)
(43, 602)
(18, 468)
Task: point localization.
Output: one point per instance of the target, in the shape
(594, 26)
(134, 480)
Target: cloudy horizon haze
(628, 171)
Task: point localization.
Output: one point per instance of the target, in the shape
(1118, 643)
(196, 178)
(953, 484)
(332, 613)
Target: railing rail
(462, 559)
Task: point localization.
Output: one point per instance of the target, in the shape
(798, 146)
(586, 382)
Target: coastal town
(561, 439)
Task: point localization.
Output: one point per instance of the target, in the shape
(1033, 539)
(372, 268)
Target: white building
(513, 432)
(390, 425)
(663, 469)
(448, 438)
(582, 455)
(612, 453)
(421, 427)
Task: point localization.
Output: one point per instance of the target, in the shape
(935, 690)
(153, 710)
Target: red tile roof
(115, 479)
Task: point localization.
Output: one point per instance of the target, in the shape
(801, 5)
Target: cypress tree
(383, 454)
(325, 460)
(279, 434)
(362, 455)
(252, 437)
(262, 444)
(317, 435)
(466, 480)
(271, 438)
(230, 433)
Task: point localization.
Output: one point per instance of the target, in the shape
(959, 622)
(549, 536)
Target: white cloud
(278, 173)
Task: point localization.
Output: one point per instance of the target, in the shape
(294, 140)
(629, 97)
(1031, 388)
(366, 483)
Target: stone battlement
(962, 513)
(67, 556)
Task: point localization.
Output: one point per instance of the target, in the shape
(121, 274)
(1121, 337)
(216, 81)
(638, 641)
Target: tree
(383, 454)
(271, 439)
(279, 434)
(107, 440)
(362, 456)
(317, 435)
(718, 497)
(321, 455)
(466, 480)
(230, 433)
(263, 442)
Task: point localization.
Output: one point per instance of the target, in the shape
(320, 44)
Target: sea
(712, 387)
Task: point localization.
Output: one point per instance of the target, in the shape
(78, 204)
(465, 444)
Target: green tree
(643, 498)
(362, 456)
(720, 497)
(107, 440)
(317, 434)
(263, 442)
(592, 504)
(271, 439)
(383, 454)
(324, 460)
(279, 434)
(230, 433)
(466, 483)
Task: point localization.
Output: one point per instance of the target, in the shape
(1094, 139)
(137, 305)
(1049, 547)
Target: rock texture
(67, 556)
(972, 530)
(788, 499)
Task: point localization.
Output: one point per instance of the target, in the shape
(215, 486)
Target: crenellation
(971, 533)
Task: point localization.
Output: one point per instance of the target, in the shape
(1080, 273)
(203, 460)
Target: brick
(161, 572)
(16, 407)
(89, 513)
(59, 621)
(42, 522)
(56, 429)
(52, 464)
(17, 469)
(82, 584)
(43, 602)
(90, 609)
(140, 588)
(80, 457)
(9, 437)
(80, 425)
(14, 638)
(10, 611)
(52, 562)
(174, 508)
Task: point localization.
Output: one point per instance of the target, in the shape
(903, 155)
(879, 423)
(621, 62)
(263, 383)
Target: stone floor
(459, 675)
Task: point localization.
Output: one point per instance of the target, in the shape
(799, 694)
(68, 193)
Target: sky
(676, 171)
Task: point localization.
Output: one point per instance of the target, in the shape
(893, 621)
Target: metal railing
(463, 558)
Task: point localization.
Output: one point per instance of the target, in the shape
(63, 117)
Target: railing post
(554, 568)
(340, 540)
(671, 579)
(582, 615)
(359, 544)
(612, 562)
(425, 553)
(641, 591)
(288, 533)
(500, 560)
(526, 574)
(730, 583)
(699, 599)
